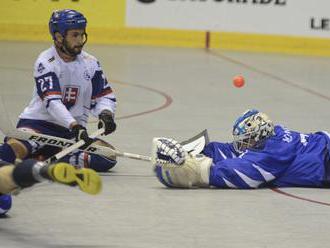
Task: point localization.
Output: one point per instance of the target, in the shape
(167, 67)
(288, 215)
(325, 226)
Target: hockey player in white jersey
(69, 84)
(261, 155)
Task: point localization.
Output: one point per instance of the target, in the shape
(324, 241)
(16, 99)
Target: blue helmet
(63, 20)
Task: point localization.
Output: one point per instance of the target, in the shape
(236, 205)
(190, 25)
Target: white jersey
(67, 91)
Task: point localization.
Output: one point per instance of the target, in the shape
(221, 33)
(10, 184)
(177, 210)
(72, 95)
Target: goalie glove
(175, 168)
(168, 150)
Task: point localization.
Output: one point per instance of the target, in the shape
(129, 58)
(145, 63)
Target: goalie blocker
(182, 170)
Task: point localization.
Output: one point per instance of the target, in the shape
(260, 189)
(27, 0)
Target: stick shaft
(65, 144)
(132, 156)
(75, 146)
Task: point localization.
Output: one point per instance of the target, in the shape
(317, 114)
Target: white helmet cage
(251, 129)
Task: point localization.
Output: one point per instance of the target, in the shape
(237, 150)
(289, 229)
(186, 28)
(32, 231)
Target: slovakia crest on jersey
(70, 96)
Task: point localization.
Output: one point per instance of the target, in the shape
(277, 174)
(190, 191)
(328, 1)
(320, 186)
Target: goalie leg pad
(193, 173)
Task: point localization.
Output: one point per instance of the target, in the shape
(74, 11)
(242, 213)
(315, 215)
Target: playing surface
(176, 93)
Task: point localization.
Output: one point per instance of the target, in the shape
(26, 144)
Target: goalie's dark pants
(35, 150)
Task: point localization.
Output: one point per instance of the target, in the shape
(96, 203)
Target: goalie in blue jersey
(261, 155)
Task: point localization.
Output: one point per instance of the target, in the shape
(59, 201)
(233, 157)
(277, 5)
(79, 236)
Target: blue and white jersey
(68, 91)
(288, 159)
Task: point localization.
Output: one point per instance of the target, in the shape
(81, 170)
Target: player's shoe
(5, 204)
(87, 179)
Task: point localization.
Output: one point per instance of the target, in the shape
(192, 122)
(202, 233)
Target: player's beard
(71, 51)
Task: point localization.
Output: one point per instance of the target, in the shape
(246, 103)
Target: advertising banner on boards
(277, 17)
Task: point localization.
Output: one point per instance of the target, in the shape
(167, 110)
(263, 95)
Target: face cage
(244, 141)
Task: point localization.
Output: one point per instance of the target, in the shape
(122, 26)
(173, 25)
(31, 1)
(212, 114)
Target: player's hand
(107, 122)
(169, 150)
(80, 133)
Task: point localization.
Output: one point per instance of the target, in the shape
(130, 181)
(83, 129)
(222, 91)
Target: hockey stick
(100, 150)
(194, 145)
(43, 139)
(7, 129)
(73, 147)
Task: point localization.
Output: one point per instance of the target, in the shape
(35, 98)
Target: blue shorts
(45, 127)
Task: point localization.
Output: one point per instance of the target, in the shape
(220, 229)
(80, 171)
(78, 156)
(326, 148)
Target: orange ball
(238, 81)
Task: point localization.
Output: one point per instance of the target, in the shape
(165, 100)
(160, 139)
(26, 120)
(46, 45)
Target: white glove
(168, 150)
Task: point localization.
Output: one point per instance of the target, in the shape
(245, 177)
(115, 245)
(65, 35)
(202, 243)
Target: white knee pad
(193, 173)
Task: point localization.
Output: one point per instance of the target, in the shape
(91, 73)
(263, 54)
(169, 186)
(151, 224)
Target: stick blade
(196, 144)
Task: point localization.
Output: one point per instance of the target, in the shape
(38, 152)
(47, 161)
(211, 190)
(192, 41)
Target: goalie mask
(251, 129)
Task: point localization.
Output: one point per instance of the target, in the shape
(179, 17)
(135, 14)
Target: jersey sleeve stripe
(111, 99)
(233, 155)
(229, 184)
(103, 93)
(51, 93)
(249, 181)
(222, 154)
(265, 174)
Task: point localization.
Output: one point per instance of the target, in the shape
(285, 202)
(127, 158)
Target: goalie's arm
(232, 170)
(202, 171)
(239, 173)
